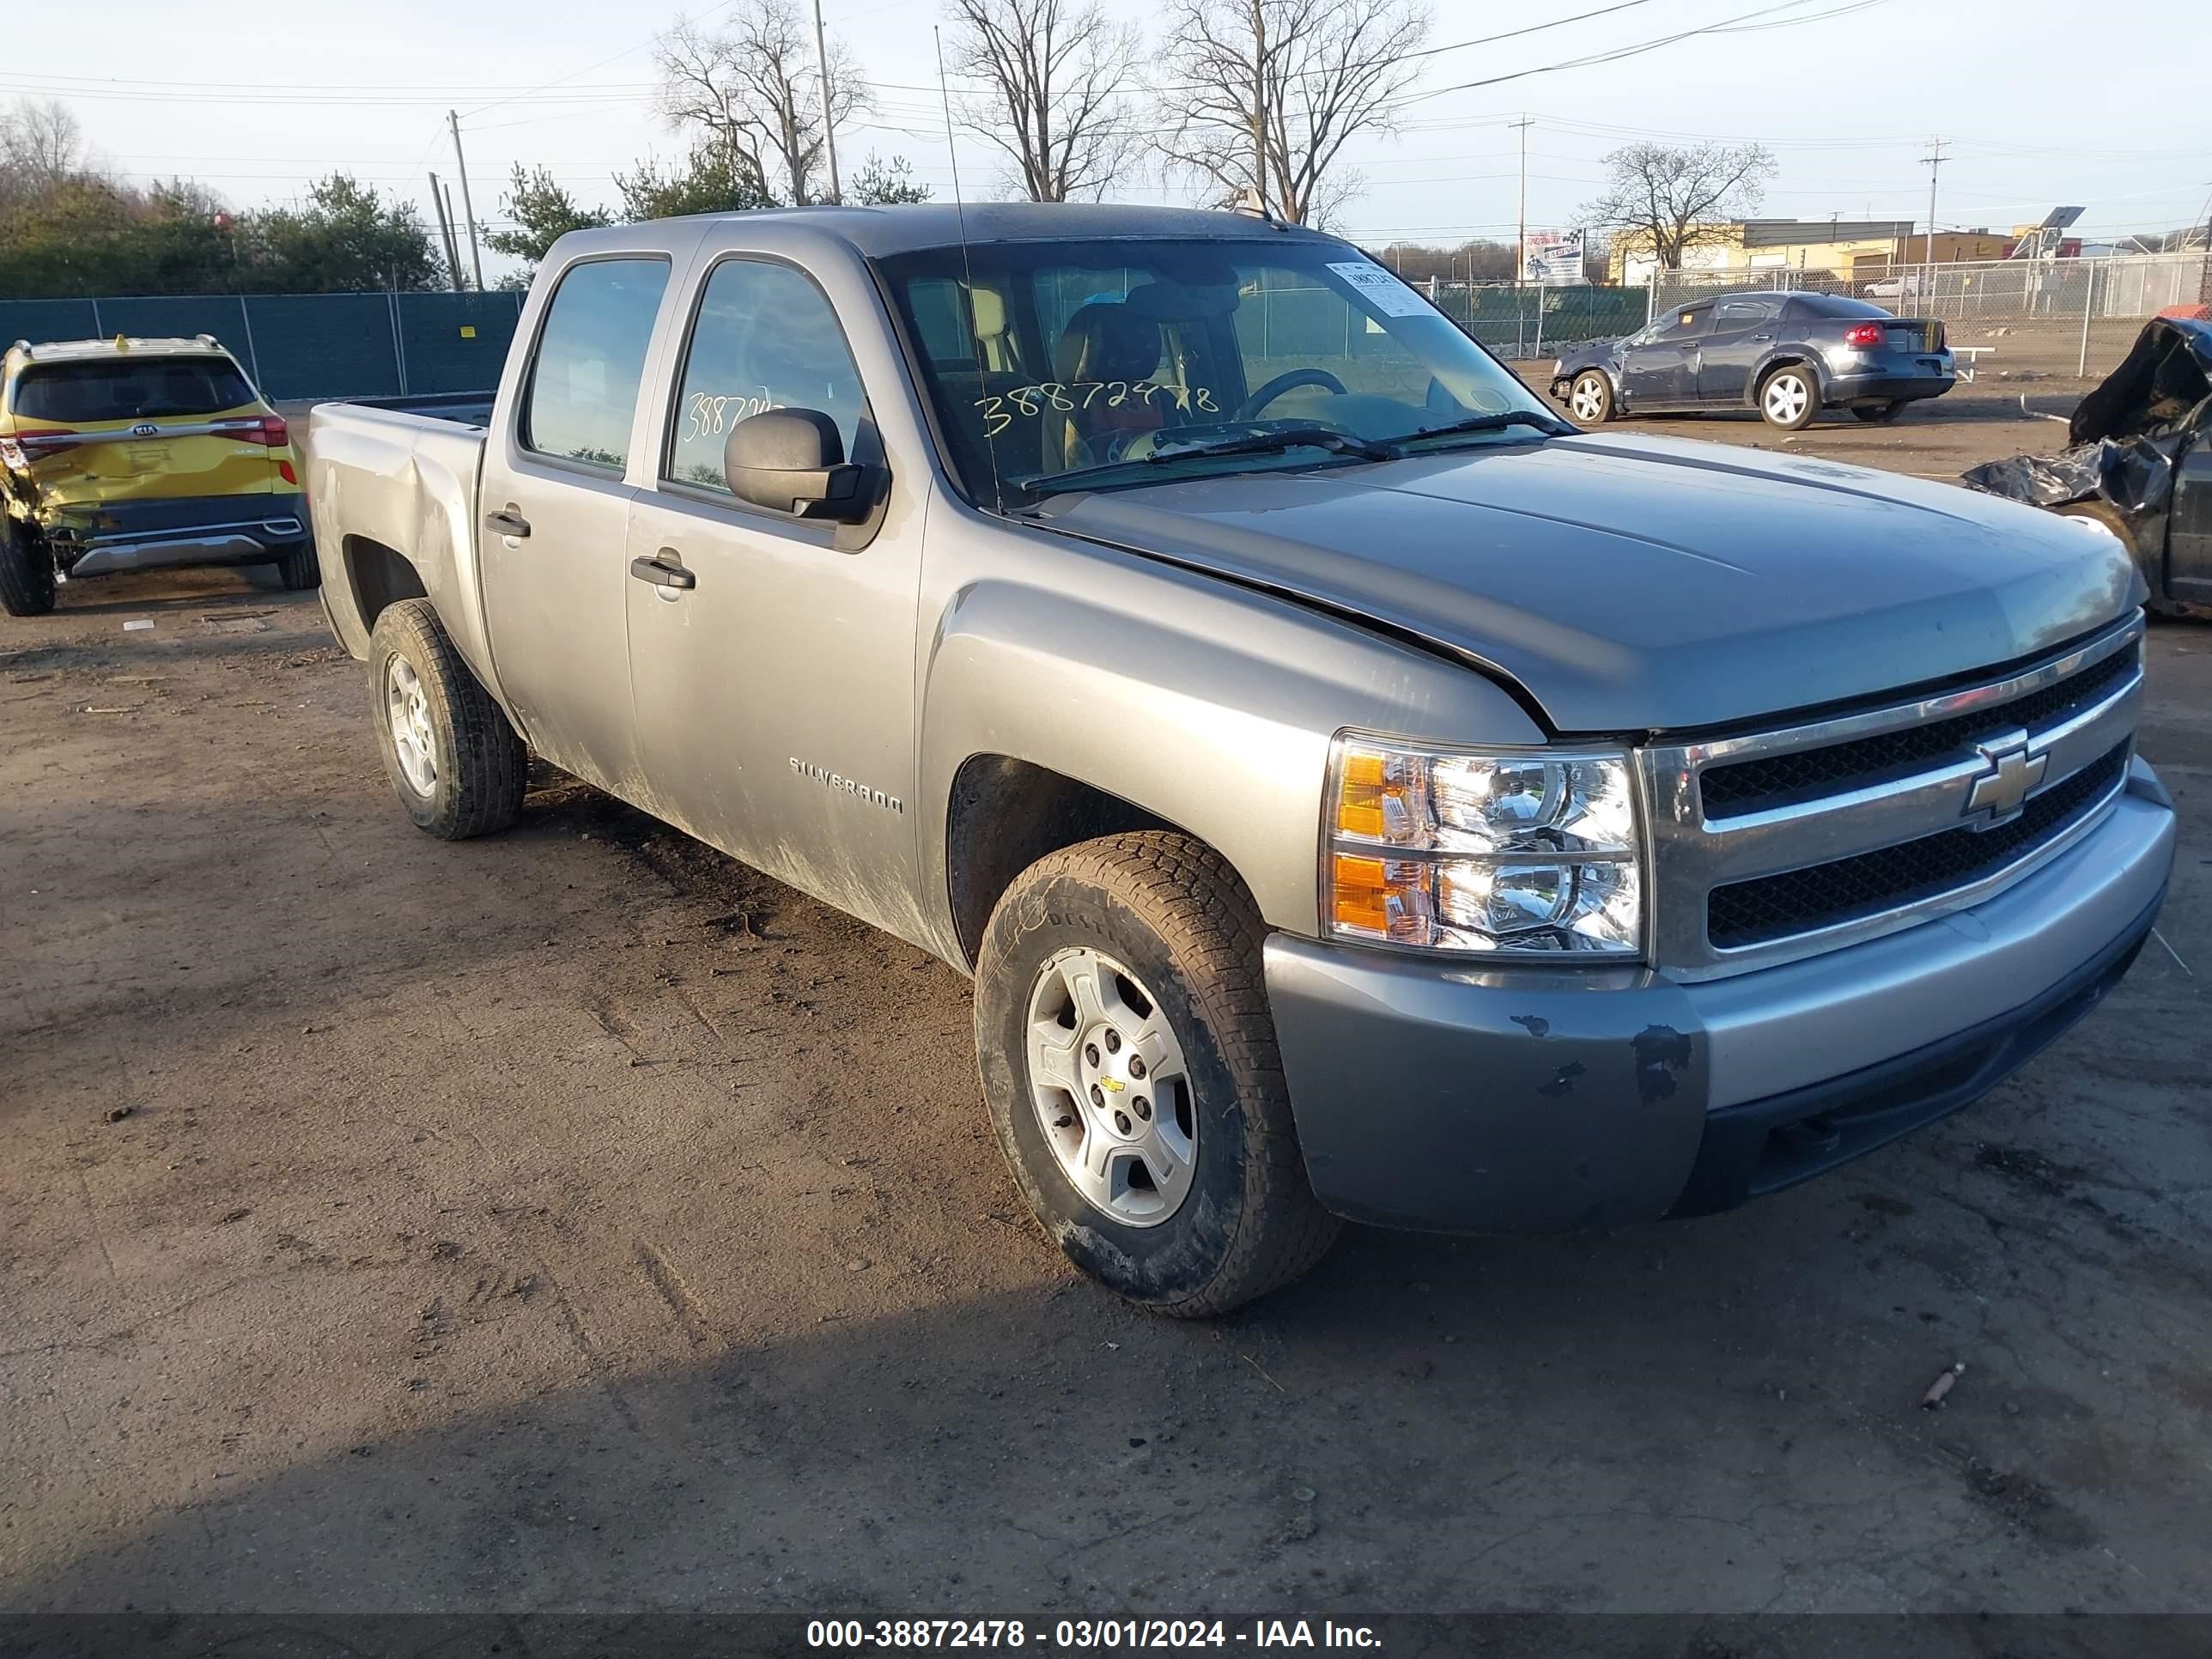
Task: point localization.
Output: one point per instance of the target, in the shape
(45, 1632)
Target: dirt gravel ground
(576, 1220)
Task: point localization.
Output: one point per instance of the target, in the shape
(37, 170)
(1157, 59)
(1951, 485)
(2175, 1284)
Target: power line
(1726, 24)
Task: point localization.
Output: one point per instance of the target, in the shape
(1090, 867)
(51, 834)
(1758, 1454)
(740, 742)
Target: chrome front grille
(1785, 843)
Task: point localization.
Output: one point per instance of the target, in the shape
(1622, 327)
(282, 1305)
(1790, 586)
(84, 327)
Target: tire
(476, 766)
(1169, 915)
(2105, 513)
(1880, 412)
(299, 569)
(1782, 410)
(1591, 390)
(26, 573)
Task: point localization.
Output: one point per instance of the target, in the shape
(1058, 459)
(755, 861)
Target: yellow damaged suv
(131, 454)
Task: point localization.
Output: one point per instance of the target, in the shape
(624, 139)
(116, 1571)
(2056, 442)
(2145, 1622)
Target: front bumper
(1485, 1100)
(153, 535)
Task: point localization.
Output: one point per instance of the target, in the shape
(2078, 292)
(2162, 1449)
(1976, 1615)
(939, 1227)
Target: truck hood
(1631, 583)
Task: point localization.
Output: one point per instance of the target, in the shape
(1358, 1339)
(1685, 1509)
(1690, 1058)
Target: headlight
(1527, 852)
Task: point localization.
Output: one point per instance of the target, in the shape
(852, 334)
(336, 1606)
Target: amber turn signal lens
(1359, 798)
(1370, 895)
(1362, 896)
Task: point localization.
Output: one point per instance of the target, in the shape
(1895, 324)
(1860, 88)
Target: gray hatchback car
(1787, 355)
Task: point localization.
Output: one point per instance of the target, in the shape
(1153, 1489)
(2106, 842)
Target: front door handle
(1762, 337)
(509, 523)
(663, 573)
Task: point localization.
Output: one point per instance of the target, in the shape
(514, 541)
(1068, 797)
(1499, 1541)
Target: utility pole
(1934, 163)
(829, 122)
(1520, 214)
(2204, 283)
(468, 209)
(445, 231)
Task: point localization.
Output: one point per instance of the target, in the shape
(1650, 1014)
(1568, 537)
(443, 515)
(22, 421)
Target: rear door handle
(663, 571)
(509, 523)
(1762, 337)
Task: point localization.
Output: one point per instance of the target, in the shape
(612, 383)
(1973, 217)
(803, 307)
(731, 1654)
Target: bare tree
(40, 143)
(1059, 72)
(1665, 201)
(1258, 97)
(755, 87)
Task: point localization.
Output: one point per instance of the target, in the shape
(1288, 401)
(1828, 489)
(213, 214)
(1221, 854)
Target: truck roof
(875, 231)
(68, 351)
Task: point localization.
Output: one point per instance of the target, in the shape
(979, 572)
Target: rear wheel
(1589, 398)
(1790, 396)
(1129, 1064)
(455, 762)
(299, 570)
(1889, 411)
(27, 572)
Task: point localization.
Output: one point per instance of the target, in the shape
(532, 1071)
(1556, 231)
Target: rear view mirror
(792, 461)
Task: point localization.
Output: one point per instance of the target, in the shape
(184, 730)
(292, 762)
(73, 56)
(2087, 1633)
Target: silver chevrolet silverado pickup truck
(1353, 791)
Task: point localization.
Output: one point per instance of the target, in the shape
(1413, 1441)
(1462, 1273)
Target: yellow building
(1843, 245)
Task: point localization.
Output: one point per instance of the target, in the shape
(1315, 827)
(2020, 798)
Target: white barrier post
(2088, 293)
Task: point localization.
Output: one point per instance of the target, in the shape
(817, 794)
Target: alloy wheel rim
(1786, 397)
(407, 712)
(1111, 1088)
(1586, 402)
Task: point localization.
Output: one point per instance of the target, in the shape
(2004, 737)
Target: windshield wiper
(1255, 443)
(1538, 418)
(1277, 440)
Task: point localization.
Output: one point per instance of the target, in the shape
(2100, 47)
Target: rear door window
(590, 364)
(129, 388)
(1736, 315)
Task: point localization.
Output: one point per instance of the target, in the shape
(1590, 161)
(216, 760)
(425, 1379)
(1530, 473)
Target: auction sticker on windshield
(1391, 297)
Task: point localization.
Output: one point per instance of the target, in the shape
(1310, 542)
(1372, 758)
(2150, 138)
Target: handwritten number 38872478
(1000, 410)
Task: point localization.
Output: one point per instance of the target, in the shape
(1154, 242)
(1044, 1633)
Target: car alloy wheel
(1111, 1089)
(407, 710)
(1787, 398)
(1587, 400)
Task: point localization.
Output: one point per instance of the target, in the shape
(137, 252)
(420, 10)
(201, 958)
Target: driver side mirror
(792, 461)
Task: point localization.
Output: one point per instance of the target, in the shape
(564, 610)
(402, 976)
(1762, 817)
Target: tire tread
(491, 763)
(26, 590)
(300, 570)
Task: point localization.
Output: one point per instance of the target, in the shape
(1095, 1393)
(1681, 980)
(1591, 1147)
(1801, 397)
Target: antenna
(968, 266)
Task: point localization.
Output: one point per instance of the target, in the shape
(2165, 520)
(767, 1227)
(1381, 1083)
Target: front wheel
(27, 572)
(1589, 398)
(1790, 398)
(455, 762)
(1129, 1063)
(1877, 412)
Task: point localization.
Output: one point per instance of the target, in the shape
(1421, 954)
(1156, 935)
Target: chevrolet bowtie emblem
(2010, 770)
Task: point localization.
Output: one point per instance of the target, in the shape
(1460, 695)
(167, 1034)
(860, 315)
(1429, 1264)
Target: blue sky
(2037, 103)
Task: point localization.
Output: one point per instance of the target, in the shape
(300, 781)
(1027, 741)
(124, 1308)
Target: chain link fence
(2008, 319)
(297, 346)
(1520, 320)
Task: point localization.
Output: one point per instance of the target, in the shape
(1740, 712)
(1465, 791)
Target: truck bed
(469, 409)
(405, 471)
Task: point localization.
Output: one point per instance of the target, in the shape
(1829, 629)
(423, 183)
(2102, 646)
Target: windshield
(1063, 357)
(129, 388)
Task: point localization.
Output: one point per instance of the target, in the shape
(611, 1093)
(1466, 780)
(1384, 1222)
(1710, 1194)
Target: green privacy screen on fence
(385, 345)
(307, 345)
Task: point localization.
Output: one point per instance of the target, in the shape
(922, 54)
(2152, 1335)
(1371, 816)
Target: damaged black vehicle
(2139, 464)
